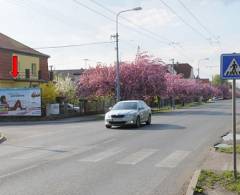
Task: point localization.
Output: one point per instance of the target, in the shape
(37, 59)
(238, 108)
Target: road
(87, 159)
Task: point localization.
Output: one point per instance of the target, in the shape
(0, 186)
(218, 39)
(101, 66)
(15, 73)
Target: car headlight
(107, 116)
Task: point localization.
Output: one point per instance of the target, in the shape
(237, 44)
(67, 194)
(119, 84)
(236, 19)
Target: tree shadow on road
(153, 127)
(196, 112)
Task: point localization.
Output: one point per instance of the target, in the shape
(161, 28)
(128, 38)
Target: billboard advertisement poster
(20, 102)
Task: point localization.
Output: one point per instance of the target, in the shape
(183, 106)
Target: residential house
(170, 69)
(32, 65)
(204, 81)
(185, 69)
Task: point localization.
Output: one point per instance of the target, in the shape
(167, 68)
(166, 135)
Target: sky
(188, 31)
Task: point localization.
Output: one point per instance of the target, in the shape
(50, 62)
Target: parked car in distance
(213, 99)
(131, 112)
(71, 107)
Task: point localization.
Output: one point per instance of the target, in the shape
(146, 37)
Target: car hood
(121, 112)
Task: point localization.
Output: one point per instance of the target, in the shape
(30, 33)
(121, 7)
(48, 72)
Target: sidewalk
(219, 161)
(64, 120)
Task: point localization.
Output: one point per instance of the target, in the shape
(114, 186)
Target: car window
(141, 105)
(125, 106)
(144, 104)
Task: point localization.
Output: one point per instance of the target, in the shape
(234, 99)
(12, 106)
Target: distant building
(185, 69)
(204, 81)
(74, 74)
(32, 65)
(170, 69)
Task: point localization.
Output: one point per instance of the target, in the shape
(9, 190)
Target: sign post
(230, 69)
(234, 127)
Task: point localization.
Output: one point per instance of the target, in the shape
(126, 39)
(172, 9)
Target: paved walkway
(65, 120)
(218, 161)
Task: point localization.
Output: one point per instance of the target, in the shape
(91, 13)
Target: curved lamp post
(117, 50)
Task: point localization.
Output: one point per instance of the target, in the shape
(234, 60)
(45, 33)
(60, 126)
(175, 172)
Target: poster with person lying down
(20, 102)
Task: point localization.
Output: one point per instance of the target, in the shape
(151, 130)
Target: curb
(193, 182)
(50, 121)
(2, 138)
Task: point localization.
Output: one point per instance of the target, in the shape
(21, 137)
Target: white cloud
(226, 2)
(150, 18)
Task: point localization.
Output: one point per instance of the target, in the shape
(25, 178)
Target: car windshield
(125, 106)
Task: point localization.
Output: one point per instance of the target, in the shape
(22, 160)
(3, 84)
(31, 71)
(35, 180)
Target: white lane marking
(109, 141)
(173, 159)
(58, 148)
(68, 154)
(137, 157)
(34, 136)
(32, 154)
(7, 150)
(18, 171)
(102, 155)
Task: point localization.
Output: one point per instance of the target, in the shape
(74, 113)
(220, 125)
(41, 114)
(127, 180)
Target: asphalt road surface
(84, 158)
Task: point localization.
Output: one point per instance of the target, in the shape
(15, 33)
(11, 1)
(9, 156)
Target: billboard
(20, 102)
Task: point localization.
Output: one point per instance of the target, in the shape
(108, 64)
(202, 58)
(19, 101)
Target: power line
(184, 21)
(197, 19)
(112, 20)
(129, 21)
(76, 45)
(170, 43)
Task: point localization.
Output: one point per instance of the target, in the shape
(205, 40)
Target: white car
(131, 112)
(70, 107)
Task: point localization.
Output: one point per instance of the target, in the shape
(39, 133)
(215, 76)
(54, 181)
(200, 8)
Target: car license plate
(117, 119)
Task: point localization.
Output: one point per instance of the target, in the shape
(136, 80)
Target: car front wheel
(108, 126)
(148, 122)
(138, 123)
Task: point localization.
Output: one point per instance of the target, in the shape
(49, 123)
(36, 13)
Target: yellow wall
(17, 84)
(25, 62)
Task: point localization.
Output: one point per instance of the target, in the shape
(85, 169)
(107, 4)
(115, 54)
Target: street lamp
(198, 65)
(117, 50)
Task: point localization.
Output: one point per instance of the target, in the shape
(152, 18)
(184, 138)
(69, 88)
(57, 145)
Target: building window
(27, 74)
(34, 70)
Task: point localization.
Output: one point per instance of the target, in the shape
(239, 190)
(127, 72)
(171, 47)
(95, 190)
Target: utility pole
(172, 71)
(51, 73)
(117, 52)
(172, 65)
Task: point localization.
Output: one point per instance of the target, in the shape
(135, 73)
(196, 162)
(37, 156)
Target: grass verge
(229, 149)
(189, 105)
(178, 106)
(212, 180)
(163, 109)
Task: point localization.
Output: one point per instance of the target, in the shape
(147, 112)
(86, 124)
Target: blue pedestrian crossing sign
(230, 66)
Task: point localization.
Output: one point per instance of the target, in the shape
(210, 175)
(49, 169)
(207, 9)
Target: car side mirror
(110, 108)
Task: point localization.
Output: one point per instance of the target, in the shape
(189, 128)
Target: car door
(146, 111)
(141, 112)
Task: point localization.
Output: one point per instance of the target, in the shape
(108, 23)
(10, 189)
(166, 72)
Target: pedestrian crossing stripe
(233, 69)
